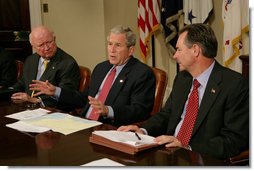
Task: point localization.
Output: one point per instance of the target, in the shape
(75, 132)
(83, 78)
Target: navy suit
(222, 125)
(131, 95)
(62, 71)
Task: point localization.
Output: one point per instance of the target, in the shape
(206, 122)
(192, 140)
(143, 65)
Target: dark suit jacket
(62, 71)
(8, 68)
(222, 125)
(131, 95)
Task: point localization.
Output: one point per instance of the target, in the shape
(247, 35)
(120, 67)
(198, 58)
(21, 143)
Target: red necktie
(185, 131)
(104, 92)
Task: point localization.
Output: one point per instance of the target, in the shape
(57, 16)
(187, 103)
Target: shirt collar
(203, 78)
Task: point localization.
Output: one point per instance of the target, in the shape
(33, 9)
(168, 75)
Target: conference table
(55, 149)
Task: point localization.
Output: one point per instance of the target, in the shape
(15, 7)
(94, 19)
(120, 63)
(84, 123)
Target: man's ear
(131, 50)
(196, 50)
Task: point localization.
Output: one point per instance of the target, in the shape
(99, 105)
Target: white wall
(79, 28)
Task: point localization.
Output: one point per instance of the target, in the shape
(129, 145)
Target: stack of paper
(28, 114)
(58, 122)
(127, 142)
(25, 127)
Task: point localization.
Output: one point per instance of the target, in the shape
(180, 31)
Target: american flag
(148, 22)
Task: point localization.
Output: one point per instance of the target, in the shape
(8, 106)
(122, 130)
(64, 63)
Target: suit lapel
(34, 67)
(98, 79)
(184, 90)
(52, 65)
(211, 92)
(49, 70)
(179, 95)
(119, 82)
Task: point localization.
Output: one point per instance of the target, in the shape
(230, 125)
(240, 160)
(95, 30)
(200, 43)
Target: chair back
(160, 88)
(19, 65)
(85, 75)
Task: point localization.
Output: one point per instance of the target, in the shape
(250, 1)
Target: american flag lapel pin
(212, 91)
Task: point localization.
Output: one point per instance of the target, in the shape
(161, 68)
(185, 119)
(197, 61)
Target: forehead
(117, 37)
(181, 39)
(183, 36)
(42, 35)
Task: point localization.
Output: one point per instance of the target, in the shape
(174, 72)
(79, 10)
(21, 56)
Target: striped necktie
(45, 63)
(104, 92)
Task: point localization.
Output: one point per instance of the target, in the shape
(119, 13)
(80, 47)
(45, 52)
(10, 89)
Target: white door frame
(35, 13)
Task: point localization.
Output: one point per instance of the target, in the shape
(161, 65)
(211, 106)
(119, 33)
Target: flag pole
(153, 52)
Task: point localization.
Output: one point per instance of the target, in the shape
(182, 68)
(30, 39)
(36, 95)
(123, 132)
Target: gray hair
(130, 36)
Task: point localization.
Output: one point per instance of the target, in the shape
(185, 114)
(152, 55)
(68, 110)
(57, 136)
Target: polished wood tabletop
(55, 149)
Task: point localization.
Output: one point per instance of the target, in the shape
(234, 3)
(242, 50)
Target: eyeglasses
(47, 44)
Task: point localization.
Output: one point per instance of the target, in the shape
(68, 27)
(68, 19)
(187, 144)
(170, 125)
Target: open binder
(127, 142)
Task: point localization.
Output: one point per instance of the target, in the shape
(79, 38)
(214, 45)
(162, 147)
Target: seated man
(210, 116)
(8, 68)
(130, 98)
(48, 63)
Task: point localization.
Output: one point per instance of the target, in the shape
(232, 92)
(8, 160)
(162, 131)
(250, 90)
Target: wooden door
(15, 27)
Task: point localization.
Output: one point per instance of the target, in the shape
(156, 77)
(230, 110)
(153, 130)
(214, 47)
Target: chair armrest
(240, 160)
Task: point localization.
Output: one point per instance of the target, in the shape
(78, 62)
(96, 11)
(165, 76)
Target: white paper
(103, 162)
(25, 127)
(62, 122)
(28, 114)
(126, 137)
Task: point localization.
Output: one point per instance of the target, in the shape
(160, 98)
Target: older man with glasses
(48, 63)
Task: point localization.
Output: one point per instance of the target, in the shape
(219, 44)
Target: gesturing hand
(41, 87)
(101, 109)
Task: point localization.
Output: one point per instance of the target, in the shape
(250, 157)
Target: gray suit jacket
(222, 125)
(61, 71)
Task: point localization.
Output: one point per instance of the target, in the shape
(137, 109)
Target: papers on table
(126, 137)
(28, 114)
(22, 126)
(103, 162)
(58, 122)
(63, 123)
(126, 142)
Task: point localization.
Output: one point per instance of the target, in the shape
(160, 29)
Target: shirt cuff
(110, 112)
(188, 147)
(57, 93)
(144, 130)
(41, 102)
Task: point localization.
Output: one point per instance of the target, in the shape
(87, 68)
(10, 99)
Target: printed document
(58, 122)
(28, 114)
(126, 137)
(22, 126)
(62, 122)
